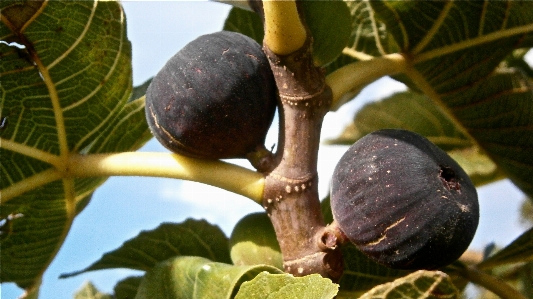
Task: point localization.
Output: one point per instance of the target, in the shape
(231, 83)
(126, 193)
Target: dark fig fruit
(403, 201)
(214, 99)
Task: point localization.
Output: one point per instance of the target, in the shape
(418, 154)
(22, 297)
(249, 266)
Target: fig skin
(214, 99)
(403, 201)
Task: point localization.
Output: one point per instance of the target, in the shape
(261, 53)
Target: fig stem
(284, 31)
(353, 77)
(291, 193)
(490, 283)
(224, 175)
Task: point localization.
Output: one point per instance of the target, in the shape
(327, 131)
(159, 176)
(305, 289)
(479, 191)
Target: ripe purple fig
(403, 201)
(214, 99)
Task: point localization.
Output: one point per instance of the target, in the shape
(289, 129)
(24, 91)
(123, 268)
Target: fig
(403, 201)
(253, 242)
(214, 99)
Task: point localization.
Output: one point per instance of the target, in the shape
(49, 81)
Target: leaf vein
(78, 40)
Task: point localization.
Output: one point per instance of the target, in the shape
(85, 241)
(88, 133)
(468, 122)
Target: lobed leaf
(66, 80)
(89, 291)
(454, 48)
(452, 51)
(196, 277)
(498, 113)
(127, 288)
(418, 285)
(272, 286)
(362, 274)
(168, 240)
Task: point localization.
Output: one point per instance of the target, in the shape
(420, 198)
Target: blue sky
(123, 207)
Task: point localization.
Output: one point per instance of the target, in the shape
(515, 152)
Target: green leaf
(454, 48)
(498, 113)
(520, 250)
(526, 278)
(89, 291)
(168, 240)
(368, 38)
(246, 22)
(66, 79)
(416, 112)
(330, 25)
(253, 241)
(196, 277)
(451, 51)
(418, 285)
(325, 207)
(140, 90)
(526, 212)
(128, 132)
(361, 273)
(410, 111)
(272, 286)
(127, 288)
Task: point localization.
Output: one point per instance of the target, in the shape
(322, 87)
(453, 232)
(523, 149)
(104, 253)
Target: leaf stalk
(224, 175)
(284, 31)
(490, 283)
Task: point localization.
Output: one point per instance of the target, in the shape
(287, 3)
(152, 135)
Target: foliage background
(124, 206)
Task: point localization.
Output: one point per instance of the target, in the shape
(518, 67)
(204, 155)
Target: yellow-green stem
(228, 176)
(284, 31)
(491, 283)
(352, 78)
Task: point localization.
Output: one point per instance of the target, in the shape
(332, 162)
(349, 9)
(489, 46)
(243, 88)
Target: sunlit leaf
(418, 285)
(369, 36)
(168, 240)
(89, 291)
(498, 113)
(66, 78)
(415, 112)
(253, 241)
(453, 59)
(452, 50)
(196, 277)
(273, 286)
